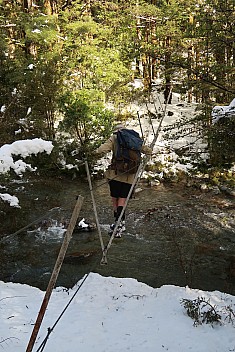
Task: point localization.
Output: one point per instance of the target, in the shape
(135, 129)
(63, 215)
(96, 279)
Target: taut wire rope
(135, 181)
(50, 330)
(104, 249)
(52, 210)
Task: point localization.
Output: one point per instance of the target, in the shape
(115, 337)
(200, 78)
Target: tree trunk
(221, 74)
(27, 5)
(167, 91)
(190, 73)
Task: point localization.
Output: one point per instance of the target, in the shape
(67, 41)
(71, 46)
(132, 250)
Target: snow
(36, 31)
(12, 200)
(18, 131)
(110, 314)
(83, 224)
(220, 111)
(113, 315)
(29, 111)
(21, 148)
(164, 149)
(3, 108)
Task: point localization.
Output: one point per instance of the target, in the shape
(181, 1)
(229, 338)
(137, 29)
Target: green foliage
(91, 58)
(30, 73)
(91, 46)
(222, 142)
(85, 117)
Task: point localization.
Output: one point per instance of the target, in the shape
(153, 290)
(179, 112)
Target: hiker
(119, 183)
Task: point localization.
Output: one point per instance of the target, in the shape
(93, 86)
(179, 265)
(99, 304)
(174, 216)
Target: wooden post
(95, 210)
(55, 273)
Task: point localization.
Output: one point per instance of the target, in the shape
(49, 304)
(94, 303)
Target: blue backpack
(128, 152)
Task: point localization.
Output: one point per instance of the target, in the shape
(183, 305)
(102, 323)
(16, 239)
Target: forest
(66, 67)
(68, 73)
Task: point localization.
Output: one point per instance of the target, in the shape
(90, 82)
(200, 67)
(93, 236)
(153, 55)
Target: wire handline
(55, 273)
(104, 257)
(94, 206)
(43, 344)
(83, 162)
(135, 181)
(52, 210)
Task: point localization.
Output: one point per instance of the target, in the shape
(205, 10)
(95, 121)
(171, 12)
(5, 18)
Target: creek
(176, 235)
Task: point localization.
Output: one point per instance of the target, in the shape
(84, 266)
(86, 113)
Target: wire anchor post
(55, 273)
(95, 210)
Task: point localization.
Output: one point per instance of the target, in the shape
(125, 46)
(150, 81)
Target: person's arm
(105, 147)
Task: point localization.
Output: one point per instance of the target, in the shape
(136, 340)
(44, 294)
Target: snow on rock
(221, 111)
(12, 200)
(3, 108)
(23, 148)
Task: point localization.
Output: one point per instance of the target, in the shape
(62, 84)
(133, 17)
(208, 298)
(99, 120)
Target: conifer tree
(52, 47)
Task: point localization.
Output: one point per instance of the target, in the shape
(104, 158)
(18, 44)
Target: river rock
(228, 190)
(85, 225)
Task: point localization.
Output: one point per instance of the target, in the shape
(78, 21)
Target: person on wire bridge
(126, 146)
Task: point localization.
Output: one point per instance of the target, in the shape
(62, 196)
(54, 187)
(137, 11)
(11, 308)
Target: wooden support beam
(55, 273)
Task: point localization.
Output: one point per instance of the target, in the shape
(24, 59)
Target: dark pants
(119, 189)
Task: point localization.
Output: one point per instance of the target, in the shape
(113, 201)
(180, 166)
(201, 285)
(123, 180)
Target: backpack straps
(126, 153)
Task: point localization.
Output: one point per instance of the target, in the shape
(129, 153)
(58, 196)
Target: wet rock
(204, 187)
(138, 190)
(215, 190)
(223, 276)
(208, 249)
(85, 225)
(82, 225)
(228, 190)
(80, 257)
(154, 183)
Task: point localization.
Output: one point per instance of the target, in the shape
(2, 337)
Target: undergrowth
(201, 311)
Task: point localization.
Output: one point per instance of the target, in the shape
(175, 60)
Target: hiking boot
(121, 228)
(111, 228)
(123, 225)
(118, 234)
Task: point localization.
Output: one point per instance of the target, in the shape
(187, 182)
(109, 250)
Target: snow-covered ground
(169, 139)
(223, 111)
(114, 315)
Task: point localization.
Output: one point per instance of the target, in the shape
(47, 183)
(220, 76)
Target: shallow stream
(175, 235)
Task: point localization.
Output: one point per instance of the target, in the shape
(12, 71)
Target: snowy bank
(113, 315)
(24, 148)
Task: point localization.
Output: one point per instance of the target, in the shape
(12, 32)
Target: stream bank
(176, 235)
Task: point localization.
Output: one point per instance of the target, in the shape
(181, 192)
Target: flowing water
(175, 235)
